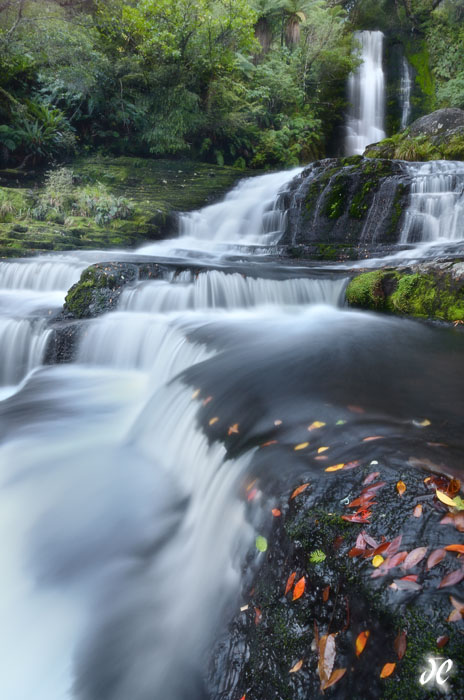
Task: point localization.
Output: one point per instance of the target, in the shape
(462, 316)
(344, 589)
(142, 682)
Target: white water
(405, 93)
(122, 528)
(366, 95)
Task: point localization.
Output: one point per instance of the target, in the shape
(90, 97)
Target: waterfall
(436, 208)
(366, 95)
(405, 92)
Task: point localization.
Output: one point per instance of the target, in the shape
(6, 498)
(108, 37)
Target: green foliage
(317, 556)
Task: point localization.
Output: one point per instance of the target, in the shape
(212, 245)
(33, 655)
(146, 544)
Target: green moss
(366, 290)
(397, 211)
(361, 200)
(418, 56)
(335, 200)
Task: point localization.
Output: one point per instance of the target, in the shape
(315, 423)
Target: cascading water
(366, 95)
(405, 92)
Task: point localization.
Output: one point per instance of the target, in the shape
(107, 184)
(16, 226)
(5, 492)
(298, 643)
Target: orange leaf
(276, 512)
(401, 487)
(290, 582)
(258, 616)
(335, 468)
(361, 641)
(453, 487)
(373, 437)
(270, 442)
(301, 446)
(325, 594)
(297, 666)
(317, 424)
(299, 588)
(387, 670)
(336, 675)
(455, 548)
(299, 490)
(213, 420)
(233, 429)
(243, 697)
(417, 512)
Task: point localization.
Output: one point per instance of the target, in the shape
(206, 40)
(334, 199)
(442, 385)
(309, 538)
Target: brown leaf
(351, 465)
(258, 616)
(442, 641)
(356, 552)
(325, 594)
(454, 616)
(290, 582)
(387, 670)
(381, 548)
(414, 557)
(297, 666)
(361, 641)
(370, 478)
(417, 512)
(326, 657)
(334, 678)
(394, 546)
(338, 541)
(459, 605)
(455, 548)
(435, 558)
(299, 490)
(452, 578)
(269, 442)
(453, 487)
(400, 644)
(299, 588)
(401, 487)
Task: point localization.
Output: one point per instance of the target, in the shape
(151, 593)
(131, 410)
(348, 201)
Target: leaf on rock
(277, 422)
(442, 641)
(458, 604)
(454, 616)
(394, 546)
(301, 446)
(299, 588)
(455, 548)
(233, 430)
(334, 678)
(317, 556)
(340, 422)
(326, 657)
(414, 557)
(269, 442)
(352, 464)
(458, 502)
(400, 644)
(296, 667)
(373, 437)
(452, 578)
(214, 420)
(361, 641)
(290, 582)
(453, 487)
(370, 478)
(387, 670)
(258, 616)
(401, 487)
(417, 512)
(276, 512)
(335, 468)
(261, 543)
(435, 558)
(322, 449)
(423, 423)
(325, 594)
(195, 394)
(207, 400)
(397, 559)
(456, 519)
(444, 498)
(406, 584)
(252, 494)
(315, 425)
(299, 490)
(377, 560)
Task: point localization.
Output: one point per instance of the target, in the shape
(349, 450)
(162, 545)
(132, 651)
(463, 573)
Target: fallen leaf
(326, 657)
(387, 670)
(400, 644)
(377, 560)
(364, 518)
(401, 487)
(361, 641)
(233, 429)
(356, 552)
(258, 616)
(207, 400)
(322, 449)
(325, 594)
(276, 512)
(405, 584)
(334, 468)
(321, 458)
(370, 478)
(459, 605)
(214, 420)
(355, 409)
(435, 558)
(196, 394)
(243, 697)
(373, 437)
(251, 484)
(338, 541)
(290, 582)
(394, 546)
(453, 487)
(423, 423)
(301, 446)
(455, 548)
(261, 543)
(417, 512)
(252, 494)
(299, 490)
(352, 465)
(381, 548)
(414, 557)
(374, 488)
(444, 498)
(277, 422)
(270, 442)
(456, 519)
(452, 578)
(297, 666)
(397, 559)
(454, 616)
(334, 678)
(340, 422)
(315, 425)
(299, 588)
(370, 540)
(442, 641)
(360, 541)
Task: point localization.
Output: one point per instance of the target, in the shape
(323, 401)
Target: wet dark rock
(63, 341)
(439, 125)
(346, 208)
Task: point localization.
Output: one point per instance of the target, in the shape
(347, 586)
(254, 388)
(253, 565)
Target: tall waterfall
(405, 92)
(436, 209)
(366, 95)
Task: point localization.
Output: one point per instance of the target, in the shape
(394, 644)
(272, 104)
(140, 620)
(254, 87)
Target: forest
(248, 83)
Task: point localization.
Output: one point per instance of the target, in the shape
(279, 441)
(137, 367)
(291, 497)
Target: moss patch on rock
(427, 292)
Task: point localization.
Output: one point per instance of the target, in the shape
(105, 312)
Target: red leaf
(351, 465)
(258, 616)
(252, 495)
(299, 490)
(414, 557)
(394, 546)
(299, 588)
(334, 678)
(325, 594)
(397, 559)
(452, 578)
(374, 488)
(400, 644)
(435, 558)
(381, 548)
(357, 518)
(356, 552)
(290, 582)
(370, 477)
(455, 548)
(338, 541)
(442, 641)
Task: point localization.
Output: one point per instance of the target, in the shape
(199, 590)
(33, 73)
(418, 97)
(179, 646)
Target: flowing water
(123, 521)
(366, 95)
(405, 92)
